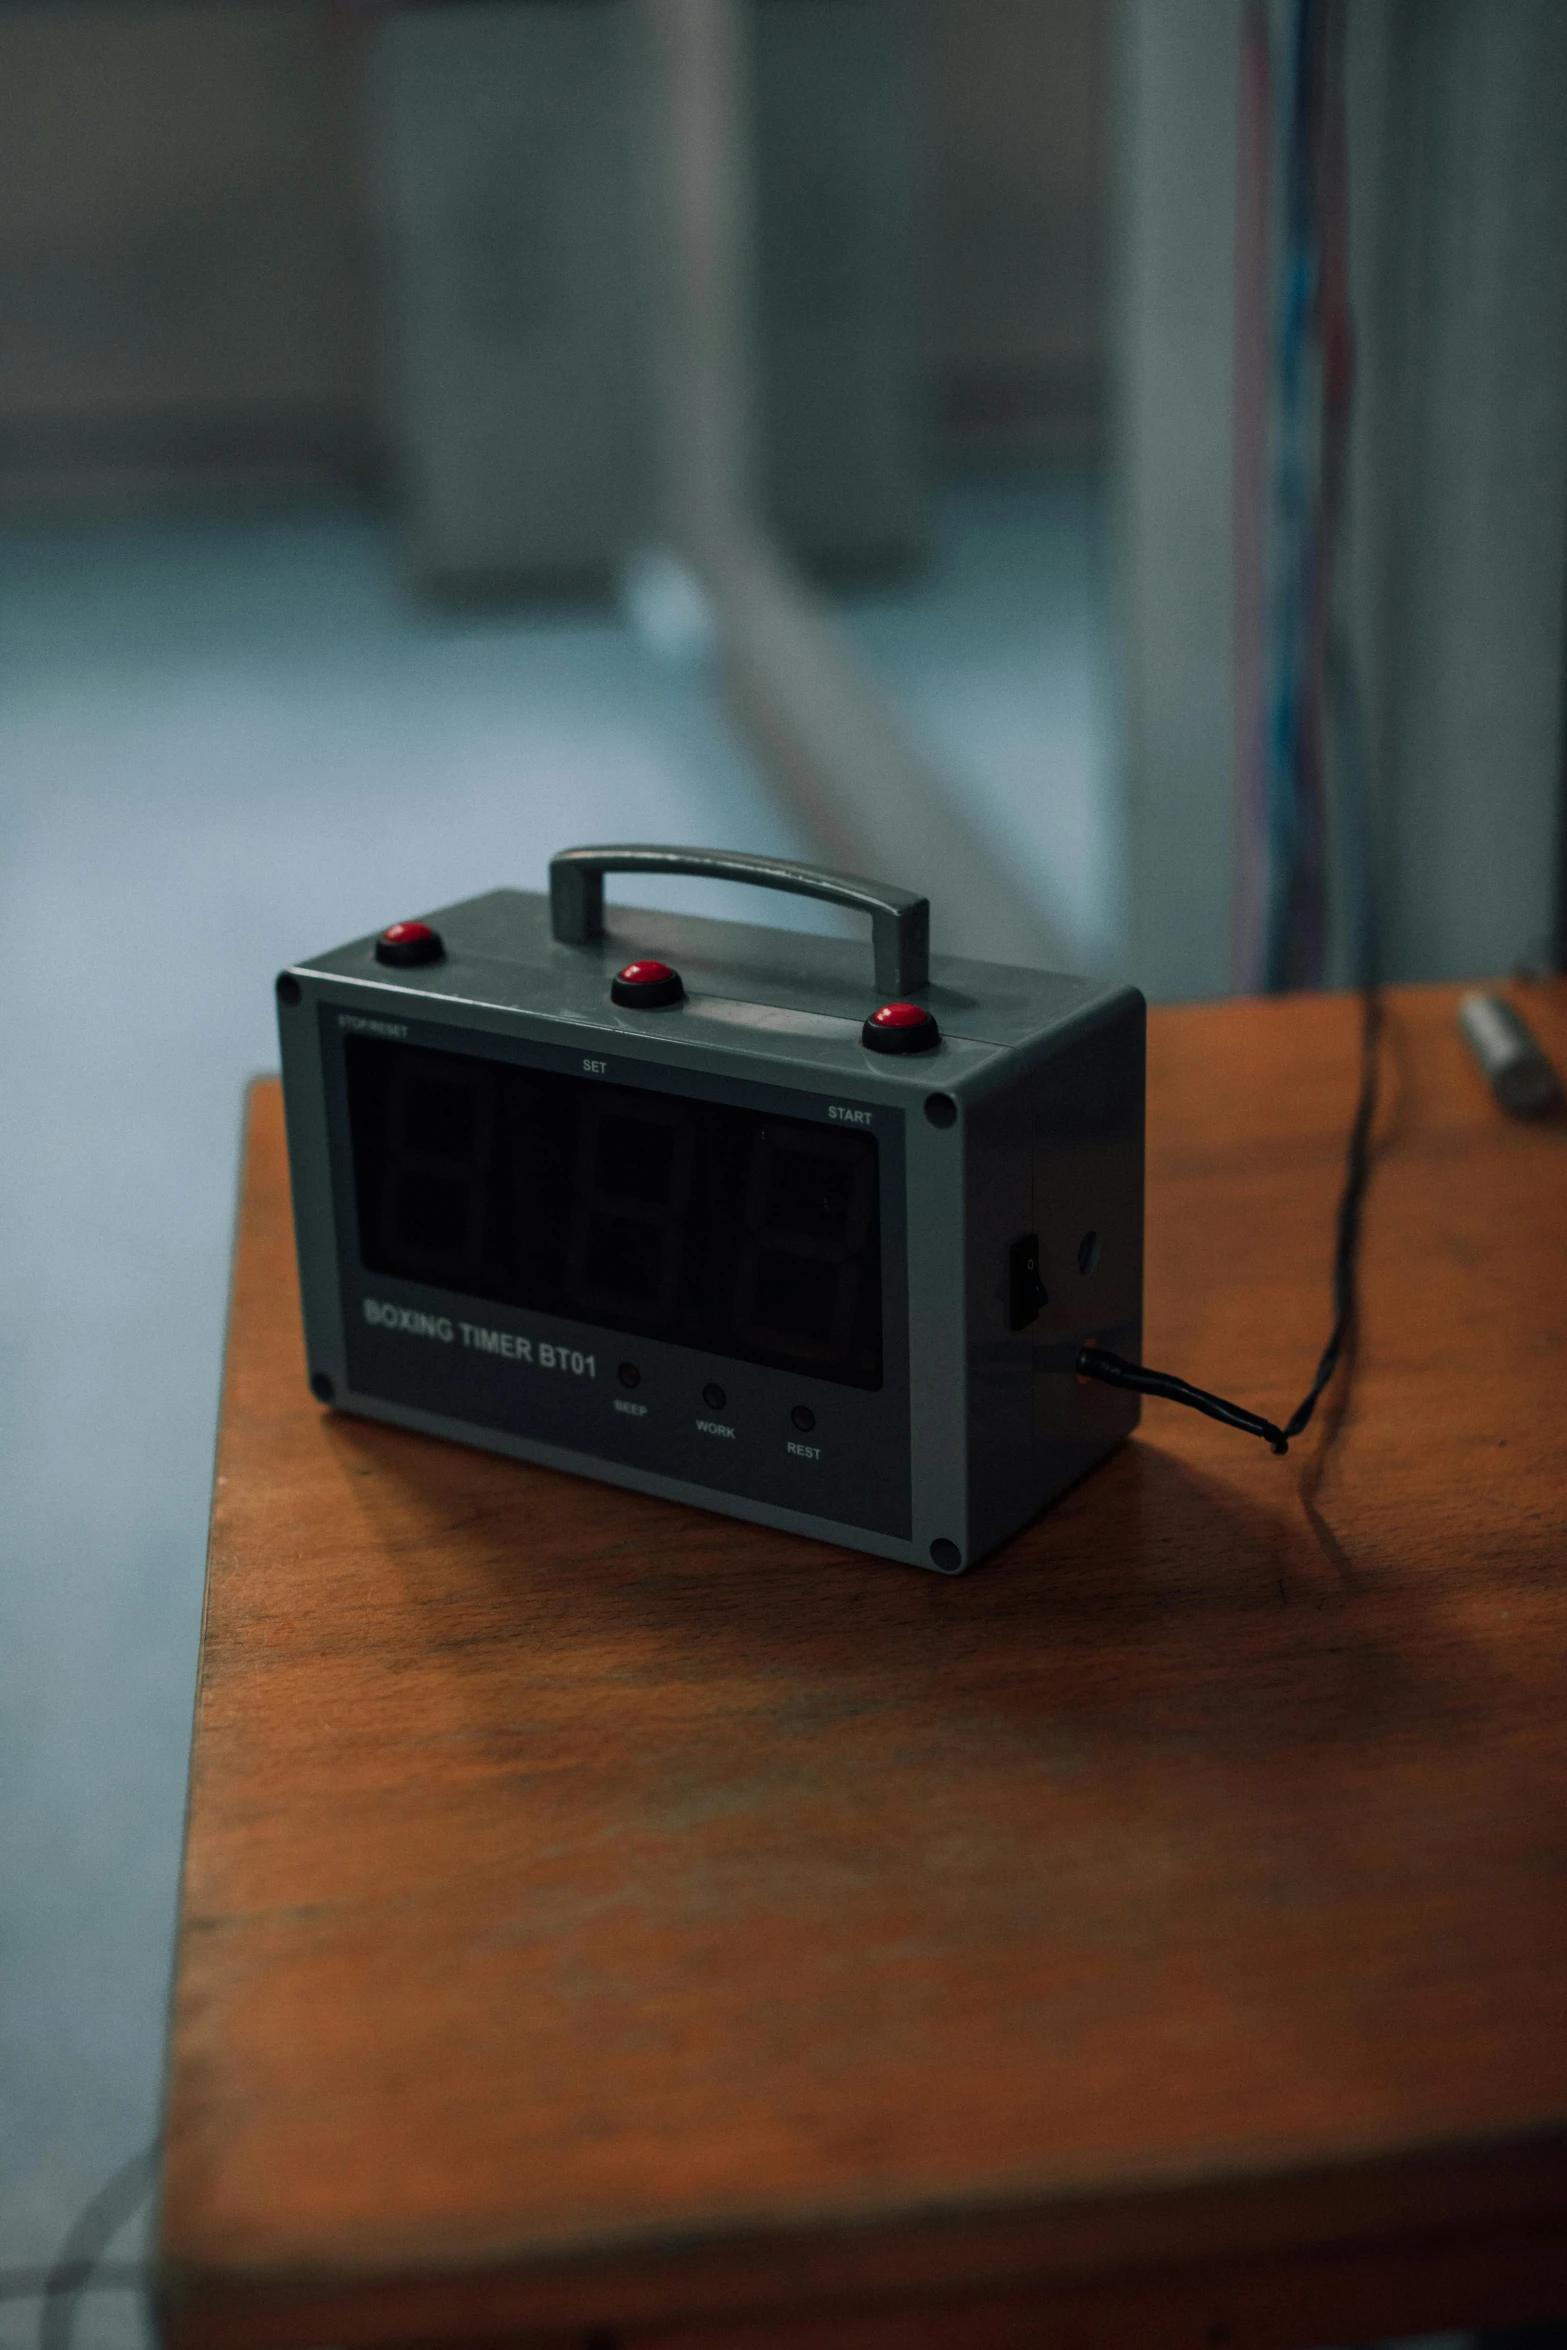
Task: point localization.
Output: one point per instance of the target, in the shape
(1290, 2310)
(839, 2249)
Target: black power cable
(1316, 704)
(1095, 1362)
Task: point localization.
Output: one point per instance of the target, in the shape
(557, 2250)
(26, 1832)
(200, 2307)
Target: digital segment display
(728, 1229)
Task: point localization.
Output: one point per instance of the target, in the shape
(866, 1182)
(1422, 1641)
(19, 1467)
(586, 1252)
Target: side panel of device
(310, 1181)
(1088, 1211)
(939, 1402)
(997, 1218)
(1053, 1224)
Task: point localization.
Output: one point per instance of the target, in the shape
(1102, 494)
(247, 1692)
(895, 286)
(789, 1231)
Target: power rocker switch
(1026, 1293)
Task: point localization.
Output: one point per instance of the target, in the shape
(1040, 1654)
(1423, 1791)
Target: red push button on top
(900, 1028)
(645, 985)
(407, 943)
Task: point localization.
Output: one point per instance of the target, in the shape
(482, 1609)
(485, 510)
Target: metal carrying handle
(900, 921)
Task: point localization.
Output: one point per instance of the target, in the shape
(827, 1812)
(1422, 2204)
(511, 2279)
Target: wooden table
(604, 1922)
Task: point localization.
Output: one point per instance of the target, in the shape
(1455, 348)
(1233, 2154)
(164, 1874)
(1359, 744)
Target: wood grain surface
(603, 1920)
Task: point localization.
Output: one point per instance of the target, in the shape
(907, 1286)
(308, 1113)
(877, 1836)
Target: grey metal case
(1009, 1196)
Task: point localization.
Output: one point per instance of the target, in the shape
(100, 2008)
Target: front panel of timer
(699, 1277)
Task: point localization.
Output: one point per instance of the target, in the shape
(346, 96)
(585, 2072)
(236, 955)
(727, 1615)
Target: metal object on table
(711, 1211)
(1501, 1040)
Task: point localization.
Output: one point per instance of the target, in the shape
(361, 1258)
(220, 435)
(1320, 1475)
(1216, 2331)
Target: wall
(1017, 117)
(186, 267)
(185, 271)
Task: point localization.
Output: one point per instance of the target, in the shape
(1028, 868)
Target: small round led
(900, 1028)
(645, 985)
(404, 944)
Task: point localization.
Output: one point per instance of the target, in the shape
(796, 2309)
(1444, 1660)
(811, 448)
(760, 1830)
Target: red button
(646, 985)
(403, 944)
(900, 1028)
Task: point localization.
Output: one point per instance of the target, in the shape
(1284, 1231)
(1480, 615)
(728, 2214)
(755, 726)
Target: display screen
(722, 1228)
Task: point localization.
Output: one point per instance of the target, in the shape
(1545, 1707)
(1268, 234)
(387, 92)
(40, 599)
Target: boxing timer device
(697, 1207)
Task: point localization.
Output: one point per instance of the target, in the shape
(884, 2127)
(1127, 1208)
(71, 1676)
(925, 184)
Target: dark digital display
(722, 1228)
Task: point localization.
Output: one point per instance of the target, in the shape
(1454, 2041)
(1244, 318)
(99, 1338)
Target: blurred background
(1103, 462)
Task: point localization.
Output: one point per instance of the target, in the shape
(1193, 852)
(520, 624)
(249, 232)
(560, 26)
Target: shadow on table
(1158, 1604)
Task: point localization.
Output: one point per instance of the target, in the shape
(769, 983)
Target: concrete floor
(224, 744)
